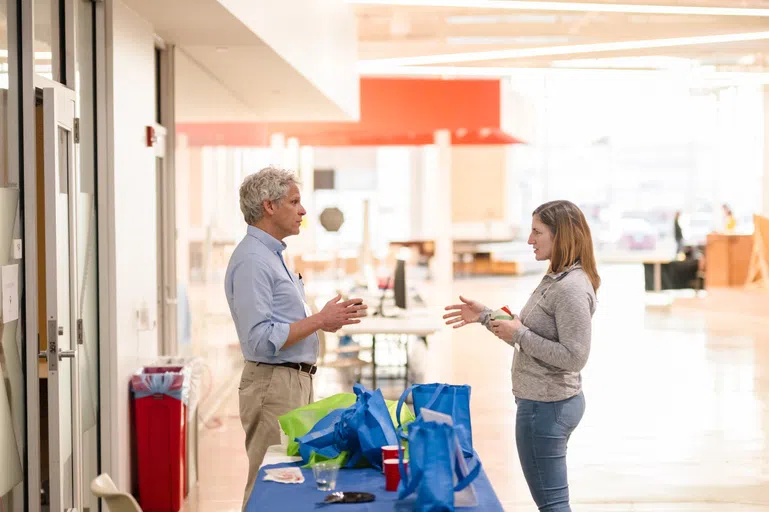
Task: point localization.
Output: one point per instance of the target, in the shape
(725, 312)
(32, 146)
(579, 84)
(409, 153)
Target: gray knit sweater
(555, 337)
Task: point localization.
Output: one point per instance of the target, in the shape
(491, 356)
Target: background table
(414, 322)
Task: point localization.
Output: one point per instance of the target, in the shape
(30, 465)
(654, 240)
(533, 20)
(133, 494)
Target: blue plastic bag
(373, 425)
(359, 430)
(173, 381)
(331, 439)
(432, 467)
(448, 399)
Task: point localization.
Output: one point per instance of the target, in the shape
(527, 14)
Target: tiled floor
(677, 408)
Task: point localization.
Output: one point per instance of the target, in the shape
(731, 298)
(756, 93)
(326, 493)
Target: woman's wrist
(485, 317)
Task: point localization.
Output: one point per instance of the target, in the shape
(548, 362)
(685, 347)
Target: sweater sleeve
(573, 319)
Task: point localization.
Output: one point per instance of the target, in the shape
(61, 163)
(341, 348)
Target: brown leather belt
(302, 367)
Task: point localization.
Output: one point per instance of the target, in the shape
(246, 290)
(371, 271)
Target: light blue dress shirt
(264, 299)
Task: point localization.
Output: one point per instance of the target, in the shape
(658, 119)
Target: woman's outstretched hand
(459, 315)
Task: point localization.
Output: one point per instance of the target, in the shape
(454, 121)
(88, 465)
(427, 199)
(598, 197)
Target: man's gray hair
(269, 184)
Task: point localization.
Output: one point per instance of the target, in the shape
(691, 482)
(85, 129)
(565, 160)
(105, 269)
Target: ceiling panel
(394, 31)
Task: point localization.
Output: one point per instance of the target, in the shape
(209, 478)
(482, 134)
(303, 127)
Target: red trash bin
(160, 414)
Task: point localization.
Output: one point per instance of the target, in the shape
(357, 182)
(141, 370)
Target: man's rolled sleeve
(278, 336)
(252, 300)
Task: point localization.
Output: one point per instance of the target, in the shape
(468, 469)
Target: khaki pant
(265, 393)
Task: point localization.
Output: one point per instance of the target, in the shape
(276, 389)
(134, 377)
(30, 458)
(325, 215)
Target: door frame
(28, 155)
(22, 104)
(60, 113)
(165, 146)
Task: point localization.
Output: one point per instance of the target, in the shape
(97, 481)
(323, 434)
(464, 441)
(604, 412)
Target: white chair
(117, 501)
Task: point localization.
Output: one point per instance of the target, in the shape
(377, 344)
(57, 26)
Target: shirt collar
(272, 243)
(565, 271)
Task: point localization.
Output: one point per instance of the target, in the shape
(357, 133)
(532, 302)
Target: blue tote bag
(360, 430)
(331, 438)
(448, 399)
(432, 467)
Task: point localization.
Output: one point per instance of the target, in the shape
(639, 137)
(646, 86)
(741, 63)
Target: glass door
(62, 332)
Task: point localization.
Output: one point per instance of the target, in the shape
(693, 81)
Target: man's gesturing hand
(336, 314)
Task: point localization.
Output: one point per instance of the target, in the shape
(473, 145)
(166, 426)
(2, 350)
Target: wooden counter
(727, 258)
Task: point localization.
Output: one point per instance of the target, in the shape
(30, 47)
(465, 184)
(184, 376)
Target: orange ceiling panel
(403, 111)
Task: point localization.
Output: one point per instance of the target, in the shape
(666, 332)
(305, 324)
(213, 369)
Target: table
(657, 265)
(304, 496)
(422, 324)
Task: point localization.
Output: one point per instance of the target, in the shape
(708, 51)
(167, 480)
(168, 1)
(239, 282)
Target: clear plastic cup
(325, 475)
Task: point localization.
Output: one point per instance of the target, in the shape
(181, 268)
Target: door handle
(69, 354)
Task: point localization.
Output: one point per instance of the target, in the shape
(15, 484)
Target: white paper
(291, 475)
(11, 474)
(17, 248)
(9, 279)
(467, 496)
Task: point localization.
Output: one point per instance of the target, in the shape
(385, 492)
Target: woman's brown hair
(572, 241)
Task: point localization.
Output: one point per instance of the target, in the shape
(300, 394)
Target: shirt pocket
(299, 285)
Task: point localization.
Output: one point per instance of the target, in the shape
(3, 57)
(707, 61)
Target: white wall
(201, 97)
(132, 217)
(317, 37)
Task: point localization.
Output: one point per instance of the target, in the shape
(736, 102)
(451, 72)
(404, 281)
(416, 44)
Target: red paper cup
(392, 473)
(390, 452)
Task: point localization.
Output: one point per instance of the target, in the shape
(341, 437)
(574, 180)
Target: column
(277, 147)
(305, 170)
(290, 158)
(438, 187)
(765, 177)
(366, 258)
(418, 191)
(286, 156)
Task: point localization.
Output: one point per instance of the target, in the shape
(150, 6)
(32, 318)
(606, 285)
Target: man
(276, 328)
(678, 233)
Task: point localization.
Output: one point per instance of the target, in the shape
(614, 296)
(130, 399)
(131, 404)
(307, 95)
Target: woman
(552, 340)
(730, 223)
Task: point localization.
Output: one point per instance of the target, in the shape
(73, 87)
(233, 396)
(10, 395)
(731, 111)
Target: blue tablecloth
(268, 496)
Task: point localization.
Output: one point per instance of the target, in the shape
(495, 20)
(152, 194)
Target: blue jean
(542, 431)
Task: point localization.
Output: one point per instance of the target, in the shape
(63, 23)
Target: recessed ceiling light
(528, 5)
(641, 62)
(507, 40)
(488, 19)
(706, 75)
(746, 60)
(518, 53)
